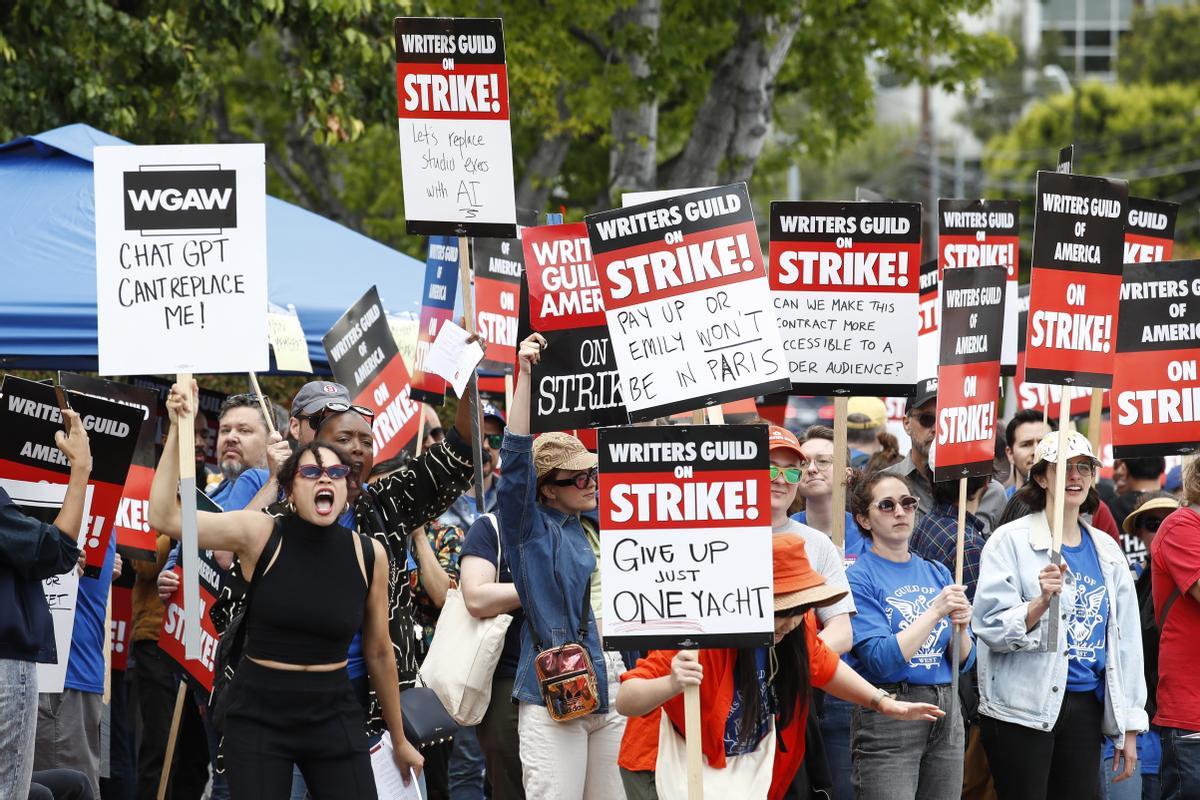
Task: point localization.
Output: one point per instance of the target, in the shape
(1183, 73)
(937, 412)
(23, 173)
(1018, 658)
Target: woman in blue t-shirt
(1045, 703)
(902, 642)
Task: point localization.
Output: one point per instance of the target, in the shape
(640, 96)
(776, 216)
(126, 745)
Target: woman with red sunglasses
(903, 632)
(290, 700)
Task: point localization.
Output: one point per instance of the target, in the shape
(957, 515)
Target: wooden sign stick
(1094, 419)
(1060, 488)
(691, 731)
(420, 434)
(956, 642)
(262, 404)
(838, 534)
(187, 511)
(169, 755)
(468, 295)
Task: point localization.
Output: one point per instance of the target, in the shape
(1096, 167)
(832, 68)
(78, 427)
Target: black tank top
(308, 604)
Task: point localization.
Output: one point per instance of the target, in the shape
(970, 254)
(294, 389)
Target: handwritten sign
(287, 338)
(687, 303)
(576, 383)
(845, 280)
(1156, 389)
(1078, 241)
(973, 306)
(685, 537)
(404, 328)
(181, 254)
(984, 233)
(364, 359)
(455, 143)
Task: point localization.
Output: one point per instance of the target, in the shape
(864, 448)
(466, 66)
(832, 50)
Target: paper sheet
(389, 784)
(451, 357)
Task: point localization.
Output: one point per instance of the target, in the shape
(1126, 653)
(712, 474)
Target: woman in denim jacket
(1043, 712)
(544, 488)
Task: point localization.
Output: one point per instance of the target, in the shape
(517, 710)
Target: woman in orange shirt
(743, 691)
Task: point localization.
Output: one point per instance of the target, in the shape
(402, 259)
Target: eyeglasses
(887, 505)
(311, 471)
(494, 440)
(437, 434)
(790, 474)
(1150, 524)
(338, 407)
(820, 462)
(580, 481)
(925, 419)
(1084, 469)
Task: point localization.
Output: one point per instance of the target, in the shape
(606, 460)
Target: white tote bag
(463, 654)
(745, 777)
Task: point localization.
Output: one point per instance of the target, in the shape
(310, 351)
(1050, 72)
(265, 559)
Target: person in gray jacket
(1045, 706)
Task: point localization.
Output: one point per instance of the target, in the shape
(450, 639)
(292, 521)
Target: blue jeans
(1180, 771)
(835, 731)
(466, 766)
(1128, 789)
(18, 733)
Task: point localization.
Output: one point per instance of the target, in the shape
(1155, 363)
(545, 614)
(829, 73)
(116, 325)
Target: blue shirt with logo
(889, 596)
(1087, 619)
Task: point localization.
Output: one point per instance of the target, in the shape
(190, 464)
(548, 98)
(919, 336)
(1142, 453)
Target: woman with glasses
(908, 608)
(290, 701)
(546, 486)
(1045, 703)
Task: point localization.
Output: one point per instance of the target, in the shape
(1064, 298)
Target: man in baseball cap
(920, 417)
(464, 511)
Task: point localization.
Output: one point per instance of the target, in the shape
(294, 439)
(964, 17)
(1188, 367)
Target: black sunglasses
(887, 505)
(338, 407)
(1150, 524)
(925, 419)
(494, 440)
(581, 480)
(311, 471)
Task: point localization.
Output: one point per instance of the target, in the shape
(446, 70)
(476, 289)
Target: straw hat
(1131, 522)
(796, 582)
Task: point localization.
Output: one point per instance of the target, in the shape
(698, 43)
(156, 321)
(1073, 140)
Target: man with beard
(241, 442)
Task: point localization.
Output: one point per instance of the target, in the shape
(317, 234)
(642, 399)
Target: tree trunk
(633, 158)
(734, 120)
(544, 165)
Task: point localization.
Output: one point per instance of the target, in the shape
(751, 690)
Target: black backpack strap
(585, 613)
(1166, 609)
(368, 554)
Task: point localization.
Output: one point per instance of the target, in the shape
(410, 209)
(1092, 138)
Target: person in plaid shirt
(936, 535)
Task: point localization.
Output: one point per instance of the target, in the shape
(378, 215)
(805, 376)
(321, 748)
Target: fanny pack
(565, 674)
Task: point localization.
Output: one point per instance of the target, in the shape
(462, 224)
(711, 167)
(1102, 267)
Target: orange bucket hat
(796, 582)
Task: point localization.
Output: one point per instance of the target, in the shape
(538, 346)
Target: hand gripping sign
(1078, 235)
(685, 537)
(845, 280)
(687, 302)
(1155, 388)
(576, 383)
(455, 143)
(973, 305)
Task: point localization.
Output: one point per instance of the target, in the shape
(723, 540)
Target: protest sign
(437, 306)
(685, 296)
(455, 143)
(1041, 396)
(498, 265)
(845, 279)
(364, 359)
(210, 405)
(984, 233)
(685, 537)
(131, 521)
(972, 330)
(181, 256)
(1155, 385)
(1149, 230)
(121, 621)
(404, 328)
(1078, 234)
(453, 357)
(42, 498)
(928, 311)
(576, 383)
(288, 342)
(29, 418)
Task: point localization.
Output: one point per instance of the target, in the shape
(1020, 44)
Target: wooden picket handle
(465, 279)
(262, 403)
(187, 512)
(1094, 421)
(420, 431)
(169, 755)
(695, 755)
(956, 630)
(1060, 488)
(838, 501)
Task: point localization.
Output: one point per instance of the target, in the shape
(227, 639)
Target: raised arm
(79, 452)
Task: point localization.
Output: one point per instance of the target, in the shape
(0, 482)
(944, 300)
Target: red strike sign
(564, 290)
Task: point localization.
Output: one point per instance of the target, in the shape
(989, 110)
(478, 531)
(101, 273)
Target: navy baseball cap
(490, 410)
(315, 395)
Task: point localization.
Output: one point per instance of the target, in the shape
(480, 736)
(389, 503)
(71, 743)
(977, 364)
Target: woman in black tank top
(290, 701)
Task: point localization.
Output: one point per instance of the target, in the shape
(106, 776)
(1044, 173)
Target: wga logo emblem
(910, 608)
(180, 200)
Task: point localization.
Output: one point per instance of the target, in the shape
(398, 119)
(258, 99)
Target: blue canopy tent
(48, 257)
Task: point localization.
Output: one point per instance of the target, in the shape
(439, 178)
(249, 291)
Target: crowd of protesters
(335, 570)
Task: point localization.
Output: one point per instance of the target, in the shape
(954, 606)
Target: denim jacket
(1018, 681)
(551, 561)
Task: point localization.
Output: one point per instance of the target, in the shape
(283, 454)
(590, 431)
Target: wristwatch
(877, 700)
